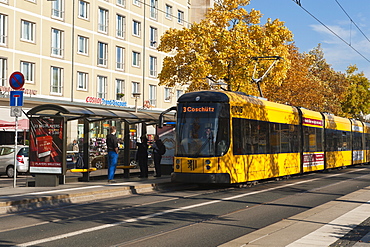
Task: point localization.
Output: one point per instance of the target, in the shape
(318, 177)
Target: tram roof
(72, 112)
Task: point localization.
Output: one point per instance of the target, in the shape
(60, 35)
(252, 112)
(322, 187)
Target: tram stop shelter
(48, 136)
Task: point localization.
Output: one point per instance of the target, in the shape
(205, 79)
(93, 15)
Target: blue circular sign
(16, 80)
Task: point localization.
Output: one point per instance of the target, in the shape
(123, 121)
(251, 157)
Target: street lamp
(136, 95)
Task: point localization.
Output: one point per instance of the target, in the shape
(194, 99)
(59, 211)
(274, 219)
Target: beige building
(98, 52)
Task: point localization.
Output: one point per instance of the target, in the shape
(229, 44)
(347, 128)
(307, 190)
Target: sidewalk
(343, 222)
(24, 198)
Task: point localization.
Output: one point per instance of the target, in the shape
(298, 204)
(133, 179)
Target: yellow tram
(230, 137)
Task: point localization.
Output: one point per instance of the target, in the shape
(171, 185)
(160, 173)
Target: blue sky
(308, 32)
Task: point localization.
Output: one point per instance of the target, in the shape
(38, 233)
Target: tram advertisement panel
(46, 145)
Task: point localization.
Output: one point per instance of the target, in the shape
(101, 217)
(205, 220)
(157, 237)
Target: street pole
(15, 152)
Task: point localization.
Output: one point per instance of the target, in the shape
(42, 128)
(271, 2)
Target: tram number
(192, 165)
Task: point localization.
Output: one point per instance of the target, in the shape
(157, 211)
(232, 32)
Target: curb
(38, 202)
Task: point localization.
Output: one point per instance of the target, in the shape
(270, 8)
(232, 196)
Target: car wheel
(98, 164)
(10, 171)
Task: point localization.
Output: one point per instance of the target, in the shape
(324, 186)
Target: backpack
(161, 148)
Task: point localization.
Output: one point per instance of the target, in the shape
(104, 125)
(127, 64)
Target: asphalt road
(198, 217)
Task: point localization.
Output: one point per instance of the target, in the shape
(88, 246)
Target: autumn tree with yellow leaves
(221, 47)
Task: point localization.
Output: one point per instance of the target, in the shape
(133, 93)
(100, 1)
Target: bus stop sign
(16, 80)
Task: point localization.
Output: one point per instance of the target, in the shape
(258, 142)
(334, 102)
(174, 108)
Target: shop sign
(25, 91)
(46, 145)
(101, 101)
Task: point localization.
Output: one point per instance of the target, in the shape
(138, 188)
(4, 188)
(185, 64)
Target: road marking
(144, 217)
(335, 229)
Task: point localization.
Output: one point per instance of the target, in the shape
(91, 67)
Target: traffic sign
(16, 111)
(16, 98)
(16, 80)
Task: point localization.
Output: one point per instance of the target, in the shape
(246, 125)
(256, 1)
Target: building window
(135, 88)
(136, 59)
(136, 28)
(153, 9)
(3, 68)
(120, 90)
(152, 66)
(82, 45)
(56, 42)
(152, 95)
(168, 11)
(28, 71)
(180, 17)
(120, 58)
(82, 80)
(153, 37)
(121, 3)
(136, 2)
(57, 9)
(3, 29)
(167, 94)
(103, 20)
(83, 10)
(179, 93)
(101, 87)
(102, 53)
(56, 80)
(28, 31)
(121, 26)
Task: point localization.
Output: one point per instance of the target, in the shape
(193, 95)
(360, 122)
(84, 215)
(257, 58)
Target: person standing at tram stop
(112, 144)
(142, 156)
(158, 147)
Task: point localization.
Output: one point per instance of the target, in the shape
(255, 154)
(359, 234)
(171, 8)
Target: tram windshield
(202, 129)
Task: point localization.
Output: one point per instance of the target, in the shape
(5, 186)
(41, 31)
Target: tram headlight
(177, 167)
(208, 162)
(208, 167)
(177, 161)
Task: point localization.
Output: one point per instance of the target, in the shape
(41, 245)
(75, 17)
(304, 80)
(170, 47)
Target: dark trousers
(157, 164)
(143, 164)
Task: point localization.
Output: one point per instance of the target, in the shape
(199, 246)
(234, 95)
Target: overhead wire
(330, 30)
(352, 20)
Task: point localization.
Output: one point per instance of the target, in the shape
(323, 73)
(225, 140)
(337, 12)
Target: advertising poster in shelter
(46, 145)
(167, 135)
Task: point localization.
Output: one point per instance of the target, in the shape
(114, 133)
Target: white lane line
(71, 234)
(334, 230)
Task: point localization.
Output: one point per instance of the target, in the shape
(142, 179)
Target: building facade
(99, 52)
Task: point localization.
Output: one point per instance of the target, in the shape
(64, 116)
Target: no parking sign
(16, 80)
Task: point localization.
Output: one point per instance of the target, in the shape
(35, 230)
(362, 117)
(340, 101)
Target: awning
(23, 124)
(99, 114)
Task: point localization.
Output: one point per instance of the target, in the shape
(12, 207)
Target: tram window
(357, 141)
(254, 126)
(367, 141)
(319, 140)
(222, 140)
(275, 137)
(312, 139)
(294, 138)
(263, 143)
(285, 138)
(241, 136)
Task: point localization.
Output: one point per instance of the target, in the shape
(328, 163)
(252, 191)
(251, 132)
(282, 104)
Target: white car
(7, 159)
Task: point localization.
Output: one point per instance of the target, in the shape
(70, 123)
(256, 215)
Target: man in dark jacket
(157, 147)
(142, 156)
(112, 144)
